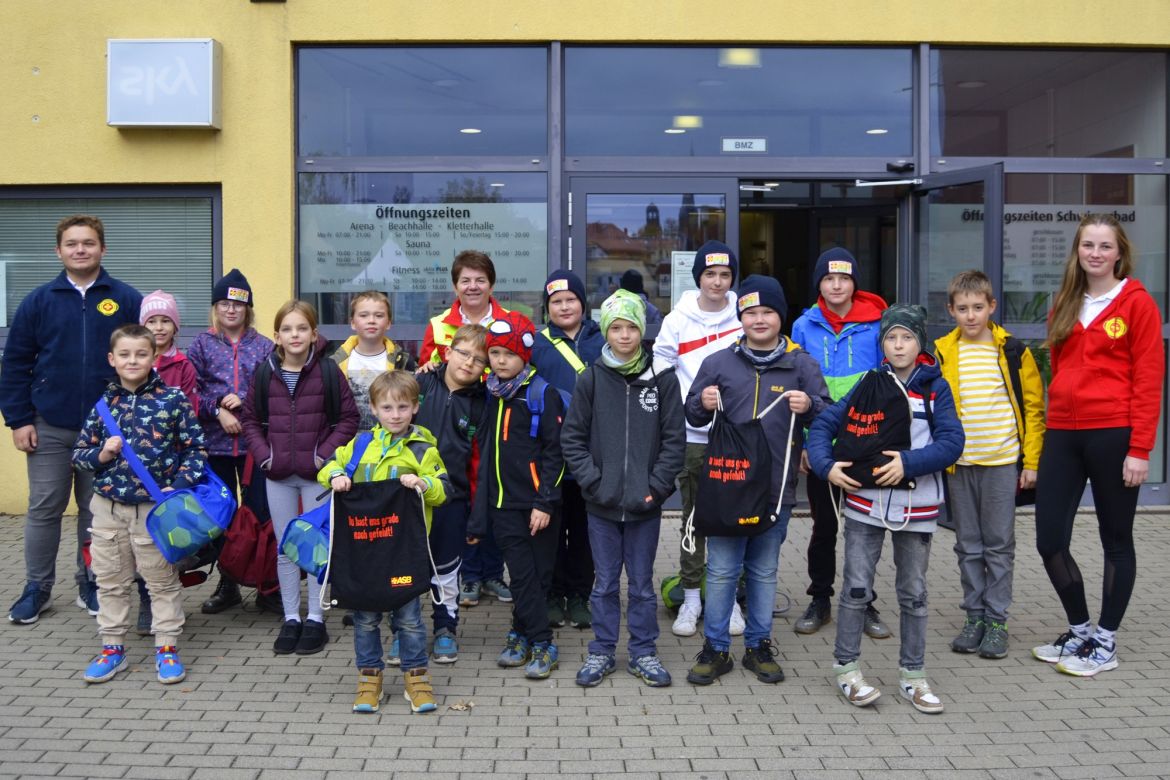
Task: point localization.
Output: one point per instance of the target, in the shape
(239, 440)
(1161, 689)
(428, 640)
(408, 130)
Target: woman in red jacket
(1108, 368)
(293, 441)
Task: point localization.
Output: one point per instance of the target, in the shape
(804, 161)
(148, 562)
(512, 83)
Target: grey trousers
(863, 550)
(982, 502)
(51, 480)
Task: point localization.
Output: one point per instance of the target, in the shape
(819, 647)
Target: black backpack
(331, 379)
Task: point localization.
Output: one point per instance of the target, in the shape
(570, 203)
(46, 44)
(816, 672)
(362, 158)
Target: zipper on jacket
(84, 348)
(756, 399)
(626, 451)
(236, 388)
(496, 455)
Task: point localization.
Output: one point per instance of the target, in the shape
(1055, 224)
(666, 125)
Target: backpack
(877, 419)
(331, 380)
(534, 398)
(249, 551)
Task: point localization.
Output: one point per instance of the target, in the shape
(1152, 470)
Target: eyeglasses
(475, 359)
(227, 305)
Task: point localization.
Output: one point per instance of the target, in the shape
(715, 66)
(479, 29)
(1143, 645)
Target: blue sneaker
(394, 657)
(544, 660)
(87, 598)
(170, 668)
(515, 652)
(445, 649)
(650, 670)
(497, 588)
(111, 661)
(597, 666)
(32, 602)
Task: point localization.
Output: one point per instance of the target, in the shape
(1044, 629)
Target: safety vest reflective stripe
(566, 351)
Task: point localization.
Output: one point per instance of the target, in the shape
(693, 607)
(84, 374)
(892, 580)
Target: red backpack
(249, 552)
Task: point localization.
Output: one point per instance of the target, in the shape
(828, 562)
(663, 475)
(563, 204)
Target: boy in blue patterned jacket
(163, 431)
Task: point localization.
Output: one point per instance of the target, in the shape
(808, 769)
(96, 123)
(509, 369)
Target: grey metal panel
(556, 253)
(1057, 164)
(755, 167)
(419, 164)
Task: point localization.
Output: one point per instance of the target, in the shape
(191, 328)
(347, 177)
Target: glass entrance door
(958, 224)
(642, 233)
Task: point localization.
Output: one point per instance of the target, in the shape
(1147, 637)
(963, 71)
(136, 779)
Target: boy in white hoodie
(701, 323)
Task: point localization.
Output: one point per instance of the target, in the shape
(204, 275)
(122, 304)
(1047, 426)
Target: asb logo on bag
(753, 520)
(401, 582)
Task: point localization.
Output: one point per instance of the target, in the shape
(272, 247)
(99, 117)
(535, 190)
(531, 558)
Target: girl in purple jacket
(291, 445)
(224, 356)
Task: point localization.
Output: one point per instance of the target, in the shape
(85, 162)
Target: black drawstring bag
(878, 418)
(379, 558)
(735, 480)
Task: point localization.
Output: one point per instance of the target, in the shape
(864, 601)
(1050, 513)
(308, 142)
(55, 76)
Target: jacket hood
(688, 306)
(414, 433)
(350, 344)
(867, 307)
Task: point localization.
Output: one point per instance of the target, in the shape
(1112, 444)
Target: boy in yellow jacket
(398, 450)
(999, 396)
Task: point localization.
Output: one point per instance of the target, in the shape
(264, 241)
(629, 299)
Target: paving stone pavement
(245, 713)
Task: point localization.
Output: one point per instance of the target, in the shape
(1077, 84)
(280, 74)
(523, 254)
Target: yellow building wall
(53, 71)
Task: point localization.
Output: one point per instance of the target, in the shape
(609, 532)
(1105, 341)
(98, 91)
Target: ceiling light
(971, 84)
(876, 131)
(739, 58)
(674, 131)
(688, 121)
(496, 184)
(471, 130)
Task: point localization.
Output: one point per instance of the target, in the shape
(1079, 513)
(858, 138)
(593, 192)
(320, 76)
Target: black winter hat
(562, 280)
(758, 290)
(232, 287)
(632, 281)
(714, 254)
(837, 260)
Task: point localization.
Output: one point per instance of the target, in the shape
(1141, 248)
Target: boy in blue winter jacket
(748, 377)
(910, 514)
(563, 350)
(624, 440)
(159, 424)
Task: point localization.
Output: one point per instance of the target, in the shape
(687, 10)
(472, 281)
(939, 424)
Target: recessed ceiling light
(876, 131)
(674, 131)
(471, 130)
(971, 84)
(739, 58)
(496, 184)
(771, 184)
(688, 121)
(446, 83)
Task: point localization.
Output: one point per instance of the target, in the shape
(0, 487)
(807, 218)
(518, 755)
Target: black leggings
(1068, 459)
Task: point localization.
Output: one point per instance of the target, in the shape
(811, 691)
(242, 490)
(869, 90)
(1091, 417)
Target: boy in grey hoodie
(624, 439)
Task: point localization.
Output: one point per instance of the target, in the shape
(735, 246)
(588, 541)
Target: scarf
(507, 389)
(633, 366)
(762, 361)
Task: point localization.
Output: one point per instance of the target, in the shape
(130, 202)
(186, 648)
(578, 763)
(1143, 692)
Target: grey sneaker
(816, 615)
(874, 627)
(970, 638)
(995, 641)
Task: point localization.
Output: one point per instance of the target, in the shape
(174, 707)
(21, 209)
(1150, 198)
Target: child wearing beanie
(909, 513)
(160, 315)
(518, 492)
(626, 422)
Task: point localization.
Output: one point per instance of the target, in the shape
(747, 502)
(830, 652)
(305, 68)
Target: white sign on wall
(164, 82)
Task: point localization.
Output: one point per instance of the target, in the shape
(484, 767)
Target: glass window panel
(368, 102)
(950, 239)
(151, 243)
(400, 232)
(1041, 213)
(802, 102)
(648, 233)
(1020, 103)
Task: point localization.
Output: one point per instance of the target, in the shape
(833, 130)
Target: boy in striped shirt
(1005, 430)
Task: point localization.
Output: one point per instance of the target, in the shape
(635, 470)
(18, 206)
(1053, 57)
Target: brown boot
(418, 690)
(369, 692)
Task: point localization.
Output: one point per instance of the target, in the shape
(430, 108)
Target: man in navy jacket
(54, 369)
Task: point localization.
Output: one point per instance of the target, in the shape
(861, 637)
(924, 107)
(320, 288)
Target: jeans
(632, 545)
(757, 556)
(982, 501)
(483, 561)
(863, 550)
(51, 479)
(448, 538)
(405, 622)
(691, 563)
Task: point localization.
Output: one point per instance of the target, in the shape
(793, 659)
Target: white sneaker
(853, 686)
(737, 625)
(916, 690)
(687, 622)
(1092, 657)
(1065, 646)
